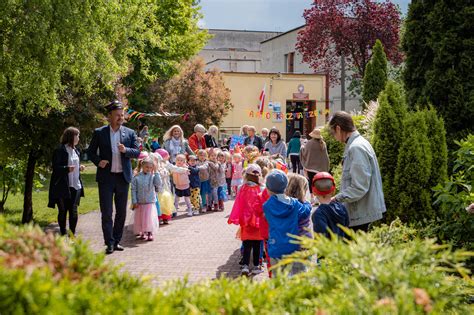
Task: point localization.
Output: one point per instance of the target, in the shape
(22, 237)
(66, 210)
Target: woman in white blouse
(65, 188)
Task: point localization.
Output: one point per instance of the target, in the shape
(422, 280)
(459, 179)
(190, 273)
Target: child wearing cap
(328, 214)
(283, 214)
(245, 213)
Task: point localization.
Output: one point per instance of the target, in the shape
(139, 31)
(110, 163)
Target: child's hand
(134, 206)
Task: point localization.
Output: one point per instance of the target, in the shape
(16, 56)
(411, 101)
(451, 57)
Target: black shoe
(109, 249)
(119, 248)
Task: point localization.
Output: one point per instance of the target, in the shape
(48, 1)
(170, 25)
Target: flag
(262, 99)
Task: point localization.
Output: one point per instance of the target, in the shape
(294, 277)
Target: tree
(349, 29)
(413, 171)
(437, 136)
(55, 50)
(376, 74)
(387, 139)
(201, 94)
(180, 39)
(439, 69)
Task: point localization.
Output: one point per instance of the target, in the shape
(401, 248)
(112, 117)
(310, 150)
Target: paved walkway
(201, 247)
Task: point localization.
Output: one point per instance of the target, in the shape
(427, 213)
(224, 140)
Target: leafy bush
(388, 127)
(389, 271)
(376, 73)
(413, 172)
(454, 224)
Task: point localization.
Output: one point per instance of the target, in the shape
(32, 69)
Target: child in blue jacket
(283, 214)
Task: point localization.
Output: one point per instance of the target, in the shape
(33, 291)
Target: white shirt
(116, 166)
(73, 160)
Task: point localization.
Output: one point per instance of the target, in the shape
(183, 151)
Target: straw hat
(316, 133)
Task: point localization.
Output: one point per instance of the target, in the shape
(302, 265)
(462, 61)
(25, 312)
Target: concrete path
(201, 247)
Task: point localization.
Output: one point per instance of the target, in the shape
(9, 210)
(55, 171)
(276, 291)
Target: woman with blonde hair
(314, 155)
(211, 137)
(175, 143)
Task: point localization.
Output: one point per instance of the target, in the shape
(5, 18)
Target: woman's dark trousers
(68, 205)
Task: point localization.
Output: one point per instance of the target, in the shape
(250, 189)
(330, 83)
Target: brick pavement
(201, 247)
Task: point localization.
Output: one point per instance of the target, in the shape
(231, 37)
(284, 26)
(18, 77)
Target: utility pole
(343, 83)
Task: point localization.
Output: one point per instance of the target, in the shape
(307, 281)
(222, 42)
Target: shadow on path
(231, 269)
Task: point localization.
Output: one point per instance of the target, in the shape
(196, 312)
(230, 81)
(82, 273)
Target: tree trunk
(28, 195)
(343, 83)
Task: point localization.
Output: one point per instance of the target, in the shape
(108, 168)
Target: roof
(248, 31)
(281, 34)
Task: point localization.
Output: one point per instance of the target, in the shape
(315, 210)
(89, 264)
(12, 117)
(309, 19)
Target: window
(291, 59)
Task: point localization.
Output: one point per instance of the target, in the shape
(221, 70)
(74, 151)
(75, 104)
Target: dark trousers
(295, 163)
(310, 178)
(68, 205)
(116, 190)
(229, 188)
(254, 247)
(362, 227)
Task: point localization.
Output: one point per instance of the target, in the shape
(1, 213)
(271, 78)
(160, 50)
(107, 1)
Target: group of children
(271, 206)
(203, 180)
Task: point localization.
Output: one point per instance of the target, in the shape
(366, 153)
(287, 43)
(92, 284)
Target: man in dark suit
(253, 139)
(111, 149)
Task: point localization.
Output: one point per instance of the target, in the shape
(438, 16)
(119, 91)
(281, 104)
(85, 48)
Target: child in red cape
(245, 213)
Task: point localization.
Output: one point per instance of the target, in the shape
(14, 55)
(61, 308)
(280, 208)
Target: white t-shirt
(73, 160)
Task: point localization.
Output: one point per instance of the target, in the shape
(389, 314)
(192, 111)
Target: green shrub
(413, 172)
(437, 137)
(454, 224)
(376, 74)
(388, 129)
(389, 271)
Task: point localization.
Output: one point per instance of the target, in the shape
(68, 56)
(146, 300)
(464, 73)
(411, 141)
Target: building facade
(252, 60)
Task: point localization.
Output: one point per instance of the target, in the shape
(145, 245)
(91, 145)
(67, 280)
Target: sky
(259, 15)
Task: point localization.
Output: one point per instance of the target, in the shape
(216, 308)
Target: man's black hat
(113, 106)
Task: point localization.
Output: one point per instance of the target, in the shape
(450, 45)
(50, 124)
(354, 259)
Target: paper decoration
(134, 115)
(287, 116)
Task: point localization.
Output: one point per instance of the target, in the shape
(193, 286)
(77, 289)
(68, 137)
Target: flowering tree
(349, 29)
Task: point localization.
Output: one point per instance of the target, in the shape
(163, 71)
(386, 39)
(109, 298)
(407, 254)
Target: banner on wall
(288, 116)
(132, 115)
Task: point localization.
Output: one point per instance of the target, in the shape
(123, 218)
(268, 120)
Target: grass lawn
(43, 215)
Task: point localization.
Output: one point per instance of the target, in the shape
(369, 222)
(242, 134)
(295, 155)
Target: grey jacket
(279, 148)
(185, 149)
(144, 187)
(361, 183)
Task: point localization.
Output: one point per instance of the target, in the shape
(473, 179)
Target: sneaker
(190, 212)
(195, 212)
(257, 270)
(245, 270)
(139, 236)
(165, 222)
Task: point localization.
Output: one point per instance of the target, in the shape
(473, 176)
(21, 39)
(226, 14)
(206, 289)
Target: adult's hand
(82, 168)
(103, 163)
(121, 148)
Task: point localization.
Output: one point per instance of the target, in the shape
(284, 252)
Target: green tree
(438, 69)
(437, 137)
(388, 126)
(180, 40)
(413, 171)
(60, 57)
(376, 73)
(201, 94)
